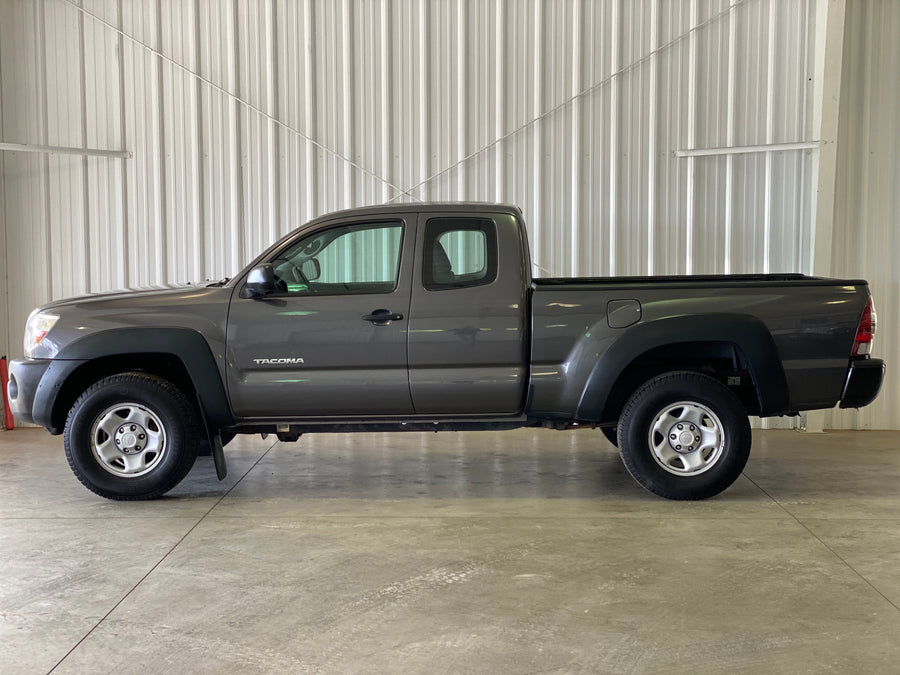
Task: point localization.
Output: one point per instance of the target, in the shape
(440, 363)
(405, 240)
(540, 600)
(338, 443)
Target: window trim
(491, 253)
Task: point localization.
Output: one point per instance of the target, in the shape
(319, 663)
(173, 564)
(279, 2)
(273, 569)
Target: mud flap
(215, 442)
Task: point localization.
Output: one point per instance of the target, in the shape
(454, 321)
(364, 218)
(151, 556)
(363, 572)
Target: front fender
(188, 346)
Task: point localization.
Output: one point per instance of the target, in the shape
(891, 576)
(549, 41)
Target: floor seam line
(827, 547)
(160, 561)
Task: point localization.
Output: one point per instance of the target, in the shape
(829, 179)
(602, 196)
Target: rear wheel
(131, 436)
(684, 435)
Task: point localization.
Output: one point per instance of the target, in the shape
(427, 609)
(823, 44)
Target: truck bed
(806, 323)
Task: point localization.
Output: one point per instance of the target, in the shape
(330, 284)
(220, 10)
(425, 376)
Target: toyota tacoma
(426, 317)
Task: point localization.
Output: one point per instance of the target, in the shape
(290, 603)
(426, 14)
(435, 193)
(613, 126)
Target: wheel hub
(684, 437)
(131, 438)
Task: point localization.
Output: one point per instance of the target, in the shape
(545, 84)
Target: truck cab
(386, 311)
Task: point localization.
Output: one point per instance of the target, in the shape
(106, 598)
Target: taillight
(866, 331)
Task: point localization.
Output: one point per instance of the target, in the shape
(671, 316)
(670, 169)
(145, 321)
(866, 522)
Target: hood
(199, 307)
(145, 291)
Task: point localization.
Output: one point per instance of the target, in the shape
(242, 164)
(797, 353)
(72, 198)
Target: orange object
(4, 379)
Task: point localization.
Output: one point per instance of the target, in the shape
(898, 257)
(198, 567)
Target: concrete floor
(514, 552)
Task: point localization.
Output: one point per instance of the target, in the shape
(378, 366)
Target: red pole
(4, 379)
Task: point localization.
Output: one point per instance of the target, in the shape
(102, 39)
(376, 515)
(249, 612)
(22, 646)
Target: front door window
(350, 259)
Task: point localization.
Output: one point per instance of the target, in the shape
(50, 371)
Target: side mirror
(260, 282)
(311, 269)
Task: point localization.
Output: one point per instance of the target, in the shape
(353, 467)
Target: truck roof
(418, 207)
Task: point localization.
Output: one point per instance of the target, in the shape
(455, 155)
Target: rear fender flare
(746, 332)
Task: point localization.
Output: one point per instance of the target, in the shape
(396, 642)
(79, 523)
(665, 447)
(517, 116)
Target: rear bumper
(863, 383)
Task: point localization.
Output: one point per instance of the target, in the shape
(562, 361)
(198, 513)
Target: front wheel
(131, 436)
(684, 435)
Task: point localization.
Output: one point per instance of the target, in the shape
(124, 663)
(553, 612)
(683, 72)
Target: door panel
(467, 335)
(308, 350)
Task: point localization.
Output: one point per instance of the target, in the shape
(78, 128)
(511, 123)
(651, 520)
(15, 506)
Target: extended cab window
(363, 258)
(459, 252)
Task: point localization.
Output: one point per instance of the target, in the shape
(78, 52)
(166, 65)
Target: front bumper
(34, 385)
(863, 383)
(24, 379)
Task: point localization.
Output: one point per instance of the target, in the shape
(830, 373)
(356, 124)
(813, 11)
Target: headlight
(39, 324)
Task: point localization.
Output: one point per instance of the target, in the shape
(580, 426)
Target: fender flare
(746, 332)
(187, 345)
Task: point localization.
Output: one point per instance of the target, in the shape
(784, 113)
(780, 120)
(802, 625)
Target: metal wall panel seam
(804, 195)
(461, 92)
(161, 230)
(770, 138)
(239, 242)
(202, 222)
(577, 58)
(231, 125)
(86, 234)
(691, 140)
(613, 188)
(123, 120)
(537, 150)
(425, 120)
(500, 104)
(349, 137)
(387, 93)
(311, 173)
(729, 135)
(584, 253)
(274, 156)
(652, 141)
(40, 46)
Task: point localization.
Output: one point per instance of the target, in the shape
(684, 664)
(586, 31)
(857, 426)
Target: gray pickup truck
(426, 317)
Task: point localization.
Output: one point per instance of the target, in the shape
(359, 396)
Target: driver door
(332, 339)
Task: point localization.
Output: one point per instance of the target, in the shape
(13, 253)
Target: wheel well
(720, 360)
(167, 366)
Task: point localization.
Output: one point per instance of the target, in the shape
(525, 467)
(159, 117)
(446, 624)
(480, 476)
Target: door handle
(382, 317)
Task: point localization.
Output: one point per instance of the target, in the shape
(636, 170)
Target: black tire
(612, 434)
(654, 432)
(131, 436)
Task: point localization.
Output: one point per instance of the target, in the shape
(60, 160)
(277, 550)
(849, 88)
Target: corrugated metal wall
(246, 118)
(867, 205)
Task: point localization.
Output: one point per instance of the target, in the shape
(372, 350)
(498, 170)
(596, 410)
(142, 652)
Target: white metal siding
(866, 240)
(247, 118)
